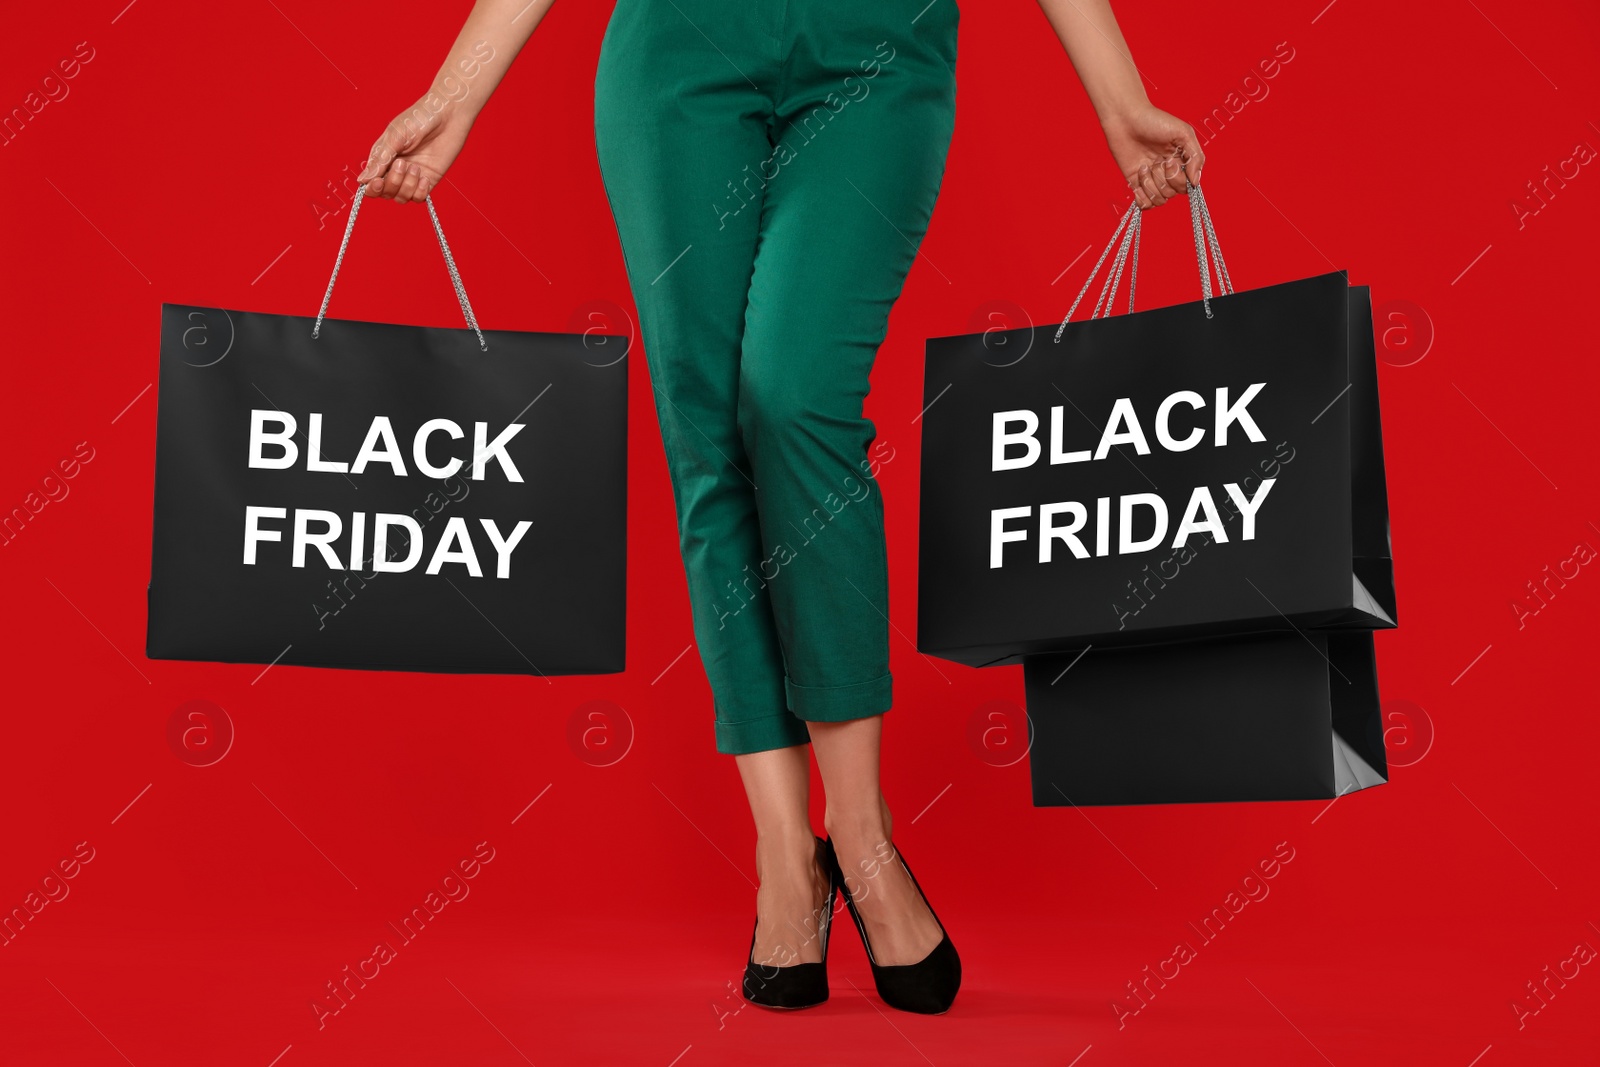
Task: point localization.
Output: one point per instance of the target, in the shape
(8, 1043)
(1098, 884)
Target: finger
(408, 188)
(382, 153)
(392, 179)
(1147, 181)
(371, 179)
(371, 168)
(1167, 172)
(388, 182)
(1139, 196)
(1192, 156)
(1152, 178)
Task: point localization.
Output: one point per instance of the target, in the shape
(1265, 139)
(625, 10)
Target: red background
(610, 925)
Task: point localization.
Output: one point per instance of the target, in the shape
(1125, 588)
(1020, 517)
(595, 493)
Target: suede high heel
(927, 987)
(799, 985)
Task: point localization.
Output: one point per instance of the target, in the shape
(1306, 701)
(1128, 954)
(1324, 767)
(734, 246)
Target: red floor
(1377, 942)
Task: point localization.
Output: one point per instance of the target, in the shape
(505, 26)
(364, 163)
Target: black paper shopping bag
(365, 495)
(1273, 716)
(1211, 467)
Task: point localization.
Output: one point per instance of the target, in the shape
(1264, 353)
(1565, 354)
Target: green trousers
(771, 166)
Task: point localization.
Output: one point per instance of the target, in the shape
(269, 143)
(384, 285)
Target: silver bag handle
(1129, 231)
(449, 262)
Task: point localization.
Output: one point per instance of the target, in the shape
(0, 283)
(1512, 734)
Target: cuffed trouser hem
(839, 703)
(759, 735)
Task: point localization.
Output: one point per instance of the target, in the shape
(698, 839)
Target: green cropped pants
(771, 166)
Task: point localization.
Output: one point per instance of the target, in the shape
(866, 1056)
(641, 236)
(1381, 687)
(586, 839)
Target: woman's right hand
(415, 150)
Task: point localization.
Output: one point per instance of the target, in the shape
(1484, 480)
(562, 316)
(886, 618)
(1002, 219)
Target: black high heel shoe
(927, 987)
(800, 985)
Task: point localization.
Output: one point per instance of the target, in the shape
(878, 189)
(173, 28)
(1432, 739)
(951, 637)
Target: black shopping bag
(1273, 716)
(364, 495)
(1212, 467)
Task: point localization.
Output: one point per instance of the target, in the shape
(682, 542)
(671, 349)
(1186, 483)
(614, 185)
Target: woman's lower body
(772, 166)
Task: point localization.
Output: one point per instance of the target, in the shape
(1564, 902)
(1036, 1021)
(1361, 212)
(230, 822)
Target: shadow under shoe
(927, 987)
(800, 985)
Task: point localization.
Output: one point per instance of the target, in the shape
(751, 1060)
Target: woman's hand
(1156, 152)
(421, 143)
(415, 150)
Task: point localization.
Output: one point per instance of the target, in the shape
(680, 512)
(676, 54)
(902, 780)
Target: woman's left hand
(1156, 152)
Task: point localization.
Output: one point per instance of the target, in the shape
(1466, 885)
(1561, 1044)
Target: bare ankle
(789, 840)
(861, 824)
(785, 851)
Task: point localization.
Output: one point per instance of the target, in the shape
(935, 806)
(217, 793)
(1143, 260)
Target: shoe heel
(927, 987)
(800, 985)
